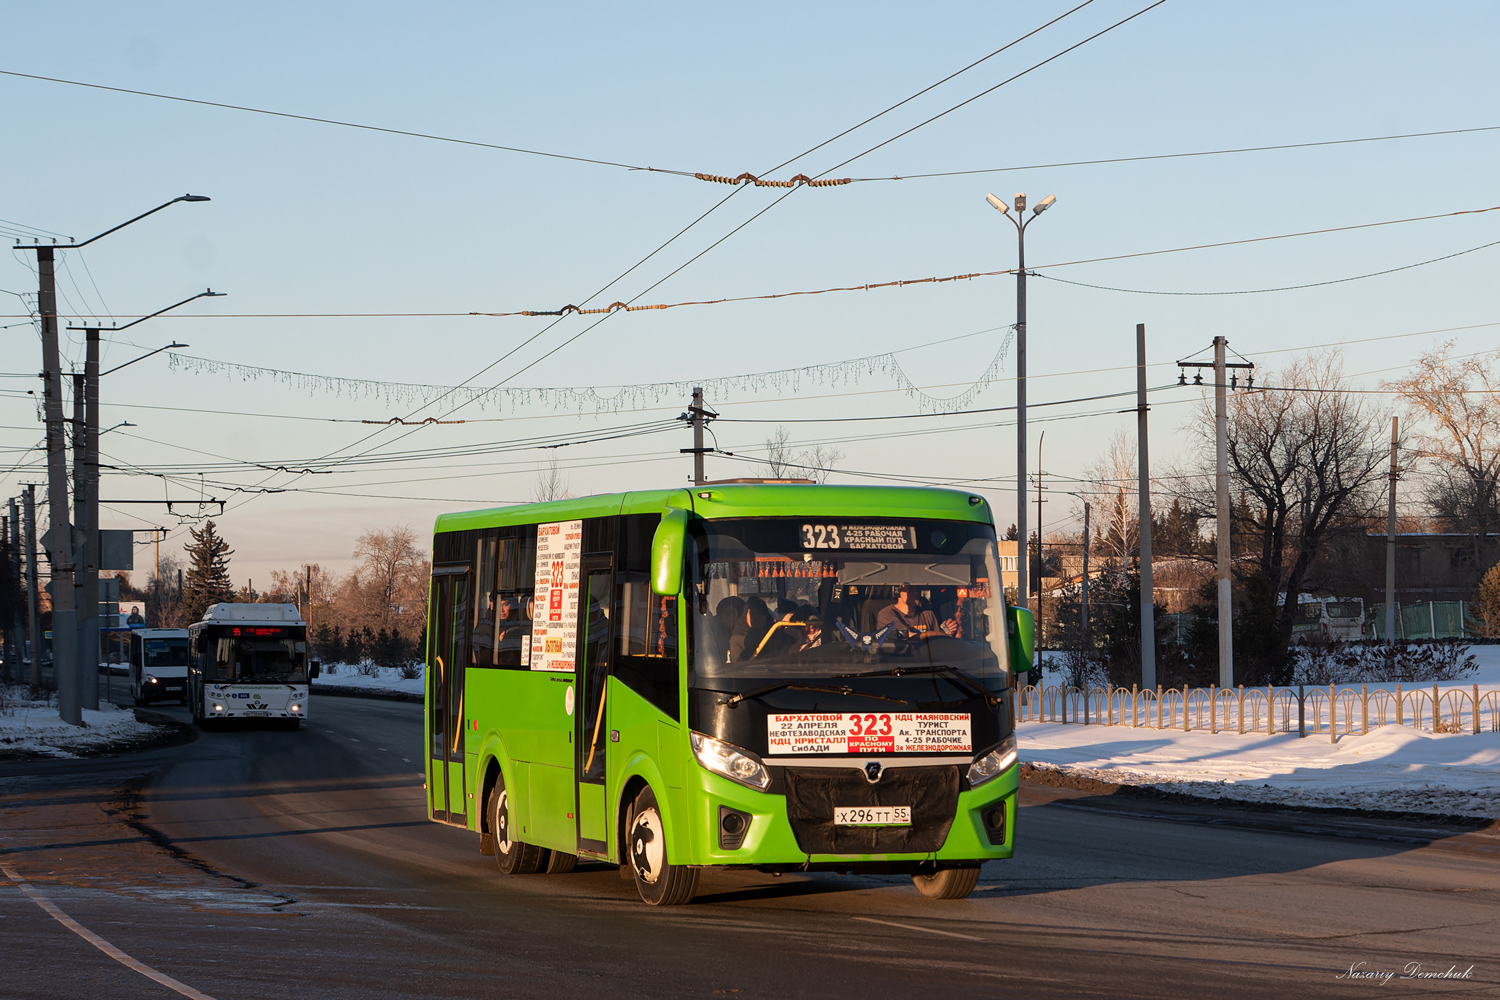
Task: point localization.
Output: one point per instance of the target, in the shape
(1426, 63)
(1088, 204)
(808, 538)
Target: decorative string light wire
(600, 399)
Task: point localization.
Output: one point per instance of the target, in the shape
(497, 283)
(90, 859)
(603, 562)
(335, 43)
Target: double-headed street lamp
(86, 492)
(1020, 220)
(60, 541)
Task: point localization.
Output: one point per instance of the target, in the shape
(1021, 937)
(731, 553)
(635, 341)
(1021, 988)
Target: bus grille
(812, 793)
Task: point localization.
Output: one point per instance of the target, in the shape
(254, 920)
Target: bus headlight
(994, 763)
(296, 708)
(218, 708)
(730, 761)
(150, 679)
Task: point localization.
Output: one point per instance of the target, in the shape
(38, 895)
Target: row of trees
(1307, 460)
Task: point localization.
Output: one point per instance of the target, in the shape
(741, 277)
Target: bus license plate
(872, 815)
(258, 714)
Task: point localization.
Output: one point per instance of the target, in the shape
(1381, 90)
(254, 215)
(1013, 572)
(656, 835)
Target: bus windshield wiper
(960, 678)
(734, 700)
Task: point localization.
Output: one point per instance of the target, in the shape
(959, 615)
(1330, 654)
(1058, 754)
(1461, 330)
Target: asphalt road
(259, 863)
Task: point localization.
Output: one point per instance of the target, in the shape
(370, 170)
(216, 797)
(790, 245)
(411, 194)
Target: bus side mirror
(314, 667)
(666, 553)
(1021, 631)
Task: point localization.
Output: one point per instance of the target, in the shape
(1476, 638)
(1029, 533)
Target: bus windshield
(259, 654)
(165, 652)
(1344, 609)
(782, 599)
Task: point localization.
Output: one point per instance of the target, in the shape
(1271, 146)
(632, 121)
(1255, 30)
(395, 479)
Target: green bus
(777, 677)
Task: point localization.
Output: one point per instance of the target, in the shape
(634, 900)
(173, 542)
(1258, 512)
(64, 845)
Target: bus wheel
(559, 863)
(512, 857)
(659, 882)
(949, 883)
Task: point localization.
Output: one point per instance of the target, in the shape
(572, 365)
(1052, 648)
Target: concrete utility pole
(1390, 546)
(698, 415)
(1020, 221)
(1221, 467)
(1039, 501)
(1148, 590)
(17, 629)
(33, 619)
(59, 538)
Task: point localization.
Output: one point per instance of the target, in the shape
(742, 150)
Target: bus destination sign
(860, 537)
(818, 733)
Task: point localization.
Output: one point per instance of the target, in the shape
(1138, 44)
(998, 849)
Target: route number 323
(820, 536)
(869, 725)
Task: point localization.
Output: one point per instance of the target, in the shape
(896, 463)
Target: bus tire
(512, 857)
(659, 882)
(560, 863)
(947, 883)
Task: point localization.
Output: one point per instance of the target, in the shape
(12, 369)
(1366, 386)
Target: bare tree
(1112, 482)
(779, 457)
(1304, 458)
(1454, 403)
(550, 483)
(815, 463)
(385, 590)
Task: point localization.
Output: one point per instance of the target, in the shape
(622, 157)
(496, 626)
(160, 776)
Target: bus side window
(512, 596)
(646, 624)
(224, 660)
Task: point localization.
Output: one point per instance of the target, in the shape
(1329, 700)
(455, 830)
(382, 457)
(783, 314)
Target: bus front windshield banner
(259, 654)
(799, 598)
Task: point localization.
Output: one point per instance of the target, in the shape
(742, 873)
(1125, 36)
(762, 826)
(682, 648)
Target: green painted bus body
(518, 724)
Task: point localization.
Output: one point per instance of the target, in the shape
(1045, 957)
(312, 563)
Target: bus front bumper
(983, 829)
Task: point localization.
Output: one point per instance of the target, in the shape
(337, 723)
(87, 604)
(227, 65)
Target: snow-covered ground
(34, 727)
(1393, 768)
(385, 679)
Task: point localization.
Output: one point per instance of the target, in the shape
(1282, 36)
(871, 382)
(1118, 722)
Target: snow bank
(29, 726)
(385, 679)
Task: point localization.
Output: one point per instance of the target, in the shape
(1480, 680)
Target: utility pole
(1221, 475)
(33, 619)
(699, 416)
(1041, 635)
(59, 537)
(1148, 590)
(1221, 454)
(17, 631)
(1390, 546)
(1084, 610)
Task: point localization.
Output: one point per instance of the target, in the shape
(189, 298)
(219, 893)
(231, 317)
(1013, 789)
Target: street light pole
(1021, 221)
(60, 539)
(86, 491)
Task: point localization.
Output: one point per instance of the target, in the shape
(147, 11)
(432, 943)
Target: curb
(376, 693)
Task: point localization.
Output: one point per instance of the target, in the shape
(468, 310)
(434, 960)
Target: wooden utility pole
(33, 618)
(1084, 609)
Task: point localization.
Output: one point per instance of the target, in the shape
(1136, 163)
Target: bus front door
(593, 734)
(447, 654)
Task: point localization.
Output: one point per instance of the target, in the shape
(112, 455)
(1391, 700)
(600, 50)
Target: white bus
(159, 665)
(248, 661)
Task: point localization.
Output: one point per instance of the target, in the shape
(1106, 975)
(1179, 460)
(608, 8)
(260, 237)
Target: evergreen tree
(207, 580)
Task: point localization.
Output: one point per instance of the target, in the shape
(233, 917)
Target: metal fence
(1306, 711)
(1428, 620)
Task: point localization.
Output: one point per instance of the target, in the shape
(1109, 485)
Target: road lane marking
(134, 965)
(914, 927)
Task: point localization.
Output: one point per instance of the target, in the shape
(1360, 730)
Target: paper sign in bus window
(554, 633)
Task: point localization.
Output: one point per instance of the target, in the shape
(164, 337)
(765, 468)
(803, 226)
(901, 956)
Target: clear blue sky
(312, 218)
